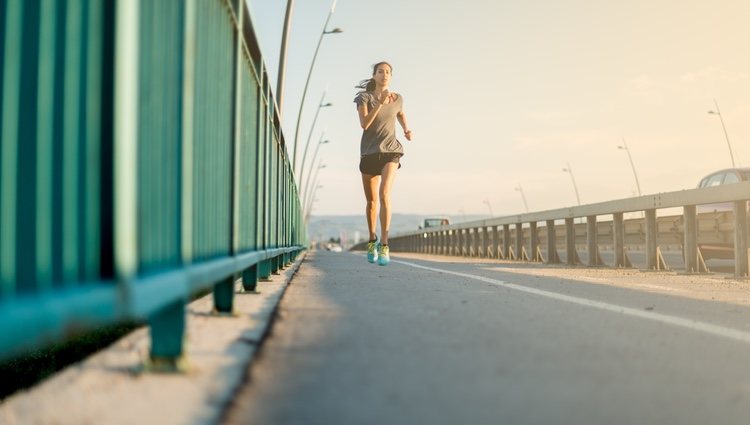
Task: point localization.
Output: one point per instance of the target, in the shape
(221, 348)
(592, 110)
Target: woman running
(380, 151)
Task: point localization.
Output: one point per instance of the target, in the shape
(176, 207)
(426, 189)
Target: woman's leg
(370, 184)
(389, 174)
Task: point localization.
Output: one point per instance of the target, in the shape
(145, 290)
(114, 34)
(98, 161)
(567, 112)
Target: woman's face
(382, 74)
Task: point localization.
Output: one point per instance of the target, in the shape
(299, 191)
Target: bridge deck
(439, 340)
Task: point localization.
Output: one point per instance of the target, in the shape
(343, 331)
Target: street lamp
(315, 155)
(315, 180)
(487, 201)
(726, 136)
(313, 199)
(624, 146)
(309, 136)
(307, 83)
(520, 189)
(282, 56)
(569, 170)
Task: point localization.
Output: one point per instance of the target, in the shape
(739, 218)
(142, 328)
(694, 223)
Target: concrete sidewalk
(110, 388)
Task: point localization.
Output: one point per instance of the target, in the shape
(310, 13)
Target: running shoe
(384, 255)
(372, 250)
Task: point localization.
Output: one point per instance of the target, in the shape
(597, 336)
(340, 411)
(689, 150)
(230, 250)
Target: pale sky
(502, 93)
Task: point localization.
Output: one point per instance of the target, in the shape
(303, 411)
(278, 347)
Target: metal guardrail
(494, 238)
(142, 161)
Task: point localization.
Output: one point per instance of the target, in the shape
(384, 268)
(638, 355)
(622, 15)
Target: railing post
(591, 238)
(651, 245)
(250, 278)
(618, 239)
(570, 242)
(552, 257)
(740, 239)
(519, 241)
(495, 242)
(690, 243)
(167, 328)
(534, 235)
(506, 241)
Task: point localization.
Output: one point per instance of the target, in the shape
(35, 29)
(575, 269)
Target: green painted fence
(142, 161)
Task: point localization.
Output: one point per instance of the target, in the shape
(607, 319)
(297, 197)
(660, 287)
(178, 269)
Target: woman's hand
(385, 97)
(407, 133)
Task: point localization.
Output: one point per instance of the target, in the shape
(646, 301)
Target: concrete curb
(109, 388)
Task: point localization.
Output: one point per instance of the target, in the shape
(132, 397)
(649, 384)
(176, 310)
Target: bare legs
(389, 174)
(370, 184)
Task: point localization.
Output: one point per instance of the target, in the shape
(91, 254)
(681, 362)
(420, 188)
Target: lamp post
(520, 189)
(315, 155)
(569, 170)
(624, 147)
(312, 202)
(308, 190)
(307, 83)
(726, 136)
(489, 206)
(282, 56)
(321, 105)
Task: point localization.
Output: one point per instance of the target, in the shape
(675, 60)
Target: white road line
(721, 331)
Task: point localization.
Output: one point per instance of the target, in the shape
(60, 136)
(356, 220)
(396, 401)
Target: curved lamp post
(489, 206)
(307, 83)
(520, 189)
(309, 170)
(726, 136)
(624, 147)
(321, 105)
(569, 170)
(315, 181)
(312, 202)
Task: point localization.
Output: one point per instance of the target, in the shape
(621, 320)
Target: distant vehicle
(726, 176)
(435, 222)
(730, 175)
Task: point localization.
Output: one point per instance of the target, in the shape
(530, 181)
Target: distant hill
(353, 228)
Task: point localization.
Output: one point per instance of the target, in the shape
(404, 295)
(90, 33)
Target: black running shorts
(373, 164)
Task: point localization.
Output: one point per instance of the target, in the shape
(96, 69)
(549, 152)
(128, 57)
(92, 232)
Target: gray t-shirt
(380, 136)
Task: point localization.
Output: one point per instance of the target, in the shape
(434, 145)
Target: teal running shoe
(372, 250)
(384, 255)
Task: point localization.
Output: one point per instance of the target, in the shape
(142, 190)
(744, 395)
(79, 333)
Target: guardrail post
(534, 242)
(224, 295)
(167, 328)
(618, 239)
(506, 241)
(740, 239)
(250, 278)
(552, 256)
(651, 253)
(591, 238)
(492, 251)
(570, 242)
(483, 243)
(690, 245)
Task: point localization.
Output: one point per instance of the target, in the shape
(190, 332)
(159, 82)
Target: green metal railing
(142, 161)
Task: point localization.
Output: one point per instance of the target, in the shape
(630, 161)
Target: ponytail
(366, 85)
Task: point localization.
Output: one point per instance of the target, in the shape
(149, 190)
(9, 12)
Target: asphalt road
(454, 342)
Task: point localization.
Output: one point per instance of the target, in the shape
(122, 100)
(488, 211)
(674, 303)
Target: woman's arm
(366, 117)
(401, 116)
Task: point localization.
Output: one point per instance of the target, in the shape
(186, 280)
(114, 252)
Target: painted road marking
(695, 325)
